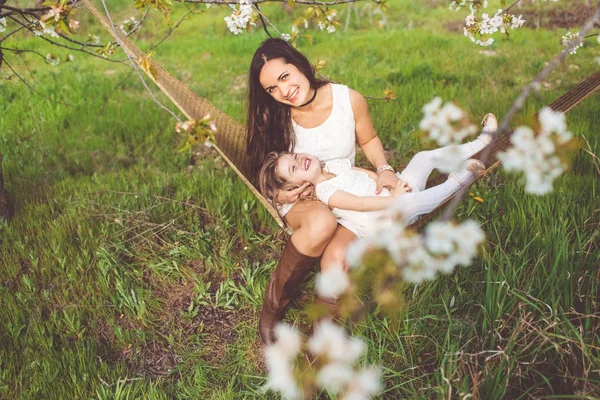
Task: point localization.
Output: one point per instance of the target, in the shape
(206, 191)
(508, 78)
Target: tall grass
(134, 271)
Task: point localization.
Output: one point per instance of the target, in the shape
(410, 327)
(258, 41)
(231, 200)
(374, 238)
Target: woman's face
(285, 83)
(297, 168)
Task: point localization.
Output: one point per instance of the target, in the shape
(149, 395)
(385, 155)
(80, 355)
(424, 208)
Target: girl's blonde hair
(269, 180)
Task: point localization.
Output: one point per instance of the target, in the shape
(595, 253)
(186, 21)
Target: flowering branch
(520, 101)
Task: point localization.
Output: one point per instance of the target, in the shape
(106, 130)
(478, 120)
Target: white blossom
(335, 376)
(286, 36)
(569, 38)
(2, 24)
(94, 39)
(279, 359)
(240, 17)
(331, 28)
(330, 340)
(534, 155)
(366, 383)
(332, 282)
(129, 26)
(52, 59)
(439, 237)
(438, 120)
(356, 252)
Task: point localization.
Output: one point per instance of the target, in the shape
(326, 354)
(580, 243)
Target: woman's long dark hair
(269, 124)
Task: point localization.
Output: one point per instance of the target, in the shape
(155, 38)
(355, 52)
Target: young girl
(351, 191)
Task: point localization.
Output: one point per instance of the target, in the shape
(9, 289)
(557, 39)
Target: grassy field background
(133, 271)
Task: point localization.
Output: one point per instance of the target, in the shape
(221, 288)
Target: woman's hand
(293, 195)
(401, 189)
(386, 179)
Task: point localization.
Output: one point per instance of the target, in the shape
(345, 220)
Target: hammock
(231, 135)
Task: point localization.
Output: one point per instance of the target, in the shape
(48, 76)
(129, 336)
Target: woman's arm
(369, 141)
(346, 201)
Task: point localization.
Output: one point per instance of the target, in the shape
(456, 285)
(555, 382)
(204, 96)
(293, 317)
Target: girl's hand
(401, 188)
(293, 195)
(386, 179)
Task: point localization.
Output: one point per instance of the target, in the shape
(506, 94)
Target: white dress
(358, 183)
(408, 207)
(333, 139)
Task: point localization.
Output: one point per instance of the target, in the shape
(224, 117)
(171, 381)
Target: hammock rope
(231, 135)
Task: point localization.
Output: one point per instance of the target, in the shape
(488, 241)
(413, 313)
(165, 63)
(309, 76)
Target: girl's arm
(346, 201)
(369, 141)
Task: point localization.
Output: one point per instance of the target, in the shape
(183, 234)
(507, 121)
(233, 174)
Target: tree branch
(134, 65)
(304, 2)
(31, 87)
(520, 102)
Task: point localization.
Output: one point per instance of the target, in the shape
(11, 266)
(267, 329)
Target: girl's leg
(418, 169)
(413, 204)
(314, 225)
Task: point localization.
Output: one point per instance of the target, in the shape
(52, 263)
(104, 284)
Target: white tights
(422, 201)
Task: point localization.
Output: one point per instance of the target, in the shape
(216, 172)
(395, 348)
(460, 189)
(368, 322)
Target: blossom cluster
(2, 24)
(479, 30)
(442, 247)
(52, 59)
(569, 38)
(129, 26)
(323, 19)
(240, 17)
(446, 124)
(45, 30)
(535, 154)
(197, 131)
(335, 354)
(474, 5)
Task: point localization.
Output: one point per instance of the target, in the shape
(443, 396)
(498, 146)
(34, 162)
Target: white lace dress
(358, 183)
(333, 139)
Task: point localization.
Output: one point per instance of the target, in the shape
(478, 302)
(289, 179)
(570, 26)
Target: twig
(520, 102)
(309, 2)
(66, 47)
(31, 87)
(134, 65)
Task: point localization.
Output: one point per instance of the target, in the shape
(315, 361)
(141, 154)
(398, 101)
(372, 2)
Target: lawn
(131, 270)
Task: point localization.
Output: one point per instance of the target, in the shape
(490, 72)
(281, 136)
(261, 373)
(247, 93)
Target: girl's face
(285, 83)
(297, 168)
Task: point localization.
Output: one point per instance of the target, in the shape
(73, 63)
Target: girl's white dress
(408, 207)
(358, 183)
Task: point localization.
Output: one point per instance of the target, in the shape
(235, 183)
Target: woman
(289, 109)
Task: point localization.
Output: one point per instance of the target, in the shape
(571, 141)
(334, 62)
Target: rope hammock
(231, 135)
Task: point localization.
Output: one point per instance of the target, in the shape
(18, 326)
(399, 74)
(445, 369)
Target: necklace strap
(311, 100)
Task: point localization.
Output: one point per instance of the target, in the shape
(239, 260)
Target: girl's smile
(298, 168)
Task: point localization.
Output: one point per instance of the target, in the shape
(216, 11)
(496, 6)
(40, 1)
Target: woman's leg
(335, 253)
(411, 205)
(418, 169)
(334, 257)
(314, 225)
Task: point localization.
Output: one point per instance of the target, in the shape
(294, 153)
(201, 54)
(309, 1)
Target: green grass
(134, 271)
